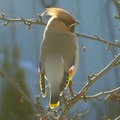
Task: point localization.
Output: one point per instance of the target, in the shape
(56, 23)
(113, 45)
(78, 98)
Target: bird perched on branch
(58, 53)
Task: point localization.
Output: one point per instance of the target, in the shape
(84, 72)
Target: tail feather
(54, 101)
(54, 69)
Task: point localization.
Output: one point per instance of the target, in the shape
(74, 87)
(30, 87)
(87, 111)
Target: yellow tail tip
(52, 106)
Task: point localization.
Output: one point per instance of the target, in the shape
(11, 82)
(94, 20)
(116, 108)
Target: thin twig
(96, 96)
(80, 114)
(39, 21)
(97, 38)
(117, 5)
(115, 96)
(6, 77)
(92, 79)
(27, 22)
(118, 118)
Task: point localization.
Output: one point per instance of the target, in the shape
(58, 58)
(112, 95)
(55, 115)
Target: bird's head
(63, 16)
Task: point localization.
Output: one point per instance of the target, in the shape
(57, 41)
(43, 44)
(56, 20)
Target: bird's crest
(60, 14)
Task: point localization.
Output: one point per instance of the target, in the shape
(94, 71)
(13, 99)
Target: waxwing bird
(58, 53)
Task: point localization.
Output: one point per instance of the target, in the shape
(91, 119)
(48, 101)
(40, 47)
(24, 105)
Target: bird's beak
(78, 22)
(74, 24)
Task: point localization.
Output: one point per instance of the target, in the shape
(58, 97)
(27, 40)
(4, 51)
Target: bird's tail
(54, 100)
(54, 68)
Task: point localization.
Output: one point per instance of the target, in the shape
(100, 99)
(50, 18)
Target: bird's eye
(66, 24)
(72, 28)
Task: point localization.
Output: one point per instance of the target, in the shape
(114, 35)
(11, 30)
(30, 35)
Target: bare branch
(39, 21)
(96, 96)
(97, 38)
(117, 5)
(80, 114)
(27, 22)
(91, 79)
(16, 85)
(68, 103)
(115, 96)
(117, 118)
(116, 17)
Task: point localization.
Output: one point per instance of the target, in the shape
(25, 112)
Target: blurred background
(19, 55)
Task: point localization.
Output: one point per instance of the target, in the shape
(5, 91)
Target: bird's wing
(67, 77)
(41, 68)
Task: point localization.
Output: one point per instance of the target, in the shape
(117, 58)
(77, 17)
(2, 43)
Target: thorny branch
(39, 21)
(91, 80)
